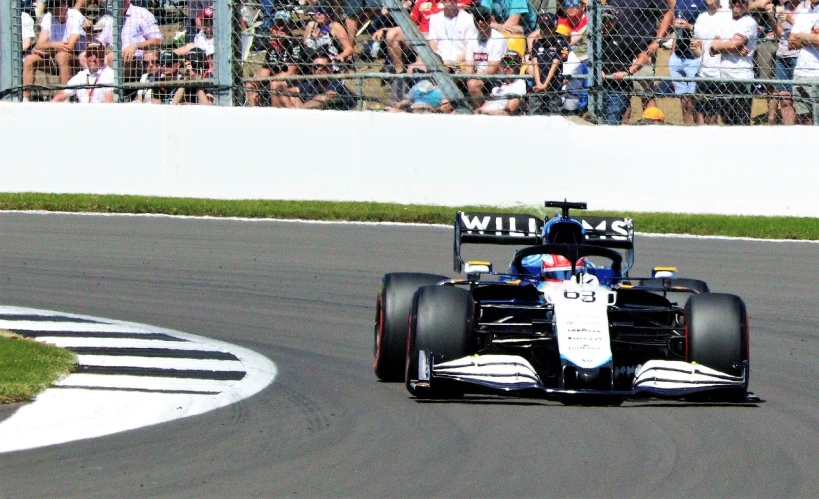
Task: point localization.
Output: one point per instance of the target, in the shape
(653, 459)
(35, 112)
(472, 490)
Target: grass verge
(659, 223)
(28, 367)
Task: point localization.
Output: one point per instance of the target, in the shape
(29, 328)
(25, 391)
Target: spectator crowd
(505, 56)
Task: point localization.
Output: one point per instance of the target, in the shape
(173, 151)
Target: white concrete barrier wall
(254, 153)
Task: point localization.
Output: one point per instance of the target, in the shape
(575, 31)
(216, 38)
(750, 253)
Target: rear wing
(478, 227)
(610, 232)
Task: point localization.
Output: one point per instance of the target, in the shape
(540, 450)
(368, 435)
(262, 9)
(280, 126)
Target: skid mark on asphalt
(129, 375)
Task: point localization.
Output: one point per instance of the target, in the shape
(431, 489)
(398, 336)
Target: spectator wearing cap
(805, 37)
(284, 57)
(61, 40)
(194, 69)
(323, 34)
(736, 46)
(506, 99)
(82, 85)
(204, 38)
(513, 17)
(684, 62)
(577, 21)
(621, 56)
(652, 115)
(449, 31)
(140, 32)
(646, 23)
(483, 54)
(193, 22)
(324, 93)
(152, 71)
(548, 54)
(169, 65)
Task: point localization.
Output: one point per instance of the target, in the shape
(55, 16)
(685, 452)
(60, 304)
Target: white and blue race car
(565, 322)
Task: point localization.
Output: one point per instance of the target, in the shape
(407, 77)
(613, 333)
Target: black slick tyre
(441, 321)
(716, 333)
(392, 321)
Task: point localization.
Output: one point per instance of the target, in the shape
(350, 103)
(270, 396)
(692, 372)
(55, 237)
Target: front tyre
(392, 321)
(441, 321)
(717, 333)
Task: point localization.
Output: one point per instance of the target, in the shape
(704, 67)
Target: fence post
(119, 15)
(222, 59)
(815, 103)
(595, 63)
(11, 67)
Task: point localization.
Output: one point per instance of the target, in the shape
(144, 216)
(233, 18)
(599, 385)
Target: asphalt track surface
(303, 295)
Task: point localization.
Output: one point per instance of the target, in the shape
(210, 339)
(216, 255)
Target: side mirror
(664, 273)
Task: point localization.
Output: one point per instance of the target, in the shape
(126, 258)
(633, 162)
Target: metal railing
(234, 62)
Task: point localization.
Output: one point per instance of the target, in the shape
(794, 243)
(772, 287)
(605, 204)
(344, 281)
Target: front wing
(508, 374)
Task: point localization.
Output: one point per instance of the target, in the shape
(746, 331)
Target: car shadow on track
(628, 404)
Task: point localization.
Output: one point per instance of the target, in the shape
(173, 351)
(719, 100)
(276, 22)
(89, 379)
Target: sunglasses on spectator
(572, 3)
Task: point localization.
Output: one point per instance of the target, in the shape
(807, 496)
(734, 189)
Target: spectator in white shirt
(505, 99)
(483, 55)
(61, 40)
(27, 28)
(710, 25)
(737, 48)
(449, 30)
(96, 74)
(805, 37)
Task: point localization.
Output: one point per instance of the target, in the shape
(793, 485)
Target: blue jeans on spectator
(268, 11)
(784, 71)
(684, 68)
(614, 107)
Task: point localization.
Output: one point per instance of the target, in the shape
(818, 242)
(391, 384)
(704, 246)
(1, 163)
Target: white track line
(160, 363)
(85, 405)
(118, 381)
(71, 342)
(74, 327)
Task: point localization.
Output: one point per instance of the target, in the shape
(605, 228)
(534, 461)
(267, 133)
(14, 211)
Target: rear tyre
(392, 321)
(717, 333)
(679, 297)
(441, 322)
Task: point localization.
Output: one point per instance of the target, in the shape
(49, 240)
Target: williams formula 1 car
(566, 321)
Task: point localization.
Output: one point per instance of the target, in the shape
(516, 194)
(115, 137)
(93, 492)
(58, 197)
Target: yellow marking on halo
(669, 269)
(478, 262)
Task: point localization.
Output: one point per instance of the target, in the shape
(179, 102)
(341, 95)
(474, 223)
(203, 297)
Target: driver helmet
(557, 267)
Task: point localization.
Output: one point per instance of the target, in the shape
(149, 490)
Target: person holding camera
(194, 68)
